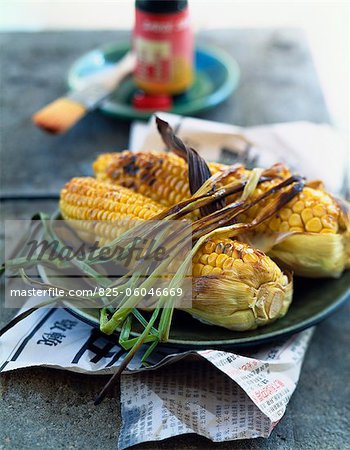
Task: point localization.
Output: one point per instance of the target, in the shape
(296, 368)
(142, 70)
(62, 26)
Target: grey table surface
(50, 409)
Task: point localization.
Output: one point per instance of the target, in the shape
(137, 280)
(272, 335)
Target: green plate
(216, 77)
(313, 301)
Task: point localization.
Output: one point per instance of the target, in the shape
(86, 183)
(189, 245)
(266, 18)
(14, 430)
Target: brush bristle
(59, 115)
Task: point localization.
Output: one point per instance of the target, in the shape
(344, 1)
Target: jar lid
(161, 6)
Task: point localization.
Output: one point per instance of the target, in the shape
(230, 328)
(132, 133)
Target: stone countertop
(51, 409)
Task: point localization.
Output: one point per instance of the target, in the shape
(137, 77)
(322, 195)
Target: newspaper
(221, 395)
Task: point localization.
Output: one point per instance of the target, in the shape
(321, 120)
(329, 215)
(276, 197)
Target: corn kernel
(179, 185)
(330, 223)
(171, 196)
(307, 215)
(185, 190)
(295, 220)
(238, 263)
(148, 214)
(314, 225)
(212, 259)
(228, 249)
(216, 271)
(298, 207)
(285, 213)
(177, 170)
(228, 264)
(221, 259)
(197, 270)
(220, 247)
(250, 257)
(207, 270)
(319, 210)
(209, 247)
(136, 210)
(172, 182)
(284, 226)
(203, 258)
(239, 248)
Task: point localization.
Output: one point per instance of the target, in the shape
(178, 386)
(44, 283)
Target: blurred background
(325, 24)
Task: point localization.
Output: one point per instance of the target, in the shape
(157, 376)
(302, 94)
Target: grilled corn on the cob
(160, 176)
(91, 202)
(309, 235)
(89, 199)
(234, 286)
(237, 287)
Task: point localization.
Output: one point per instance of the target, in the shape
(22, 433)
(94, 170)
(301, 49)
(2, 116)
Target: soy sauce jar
(163, 42)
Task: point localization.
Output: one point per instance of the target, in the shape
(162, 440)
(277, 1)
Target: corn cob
(160, 176)
(90, 199)
(91, 202)
(234, 286)
(309, 235)
(237, 287)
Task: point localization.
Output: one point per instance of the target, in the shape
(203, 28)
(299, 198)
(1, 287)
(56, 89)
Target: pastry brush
(64, 112)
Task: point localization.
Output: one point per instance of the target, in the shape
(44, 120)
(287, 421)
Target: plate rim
(238, 342)
(235, 342)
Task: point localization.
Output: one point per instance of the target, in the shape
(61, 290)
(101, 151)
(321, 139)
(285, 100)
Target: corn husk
(313, 255)
(246, 296)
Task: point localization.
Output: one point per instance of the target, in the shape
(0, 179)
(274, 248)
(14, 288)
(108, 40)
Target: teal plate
(216, 77)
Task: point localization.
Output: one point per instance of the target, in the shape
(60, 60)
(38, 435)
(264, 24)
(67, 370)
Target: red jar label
(164, 49)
